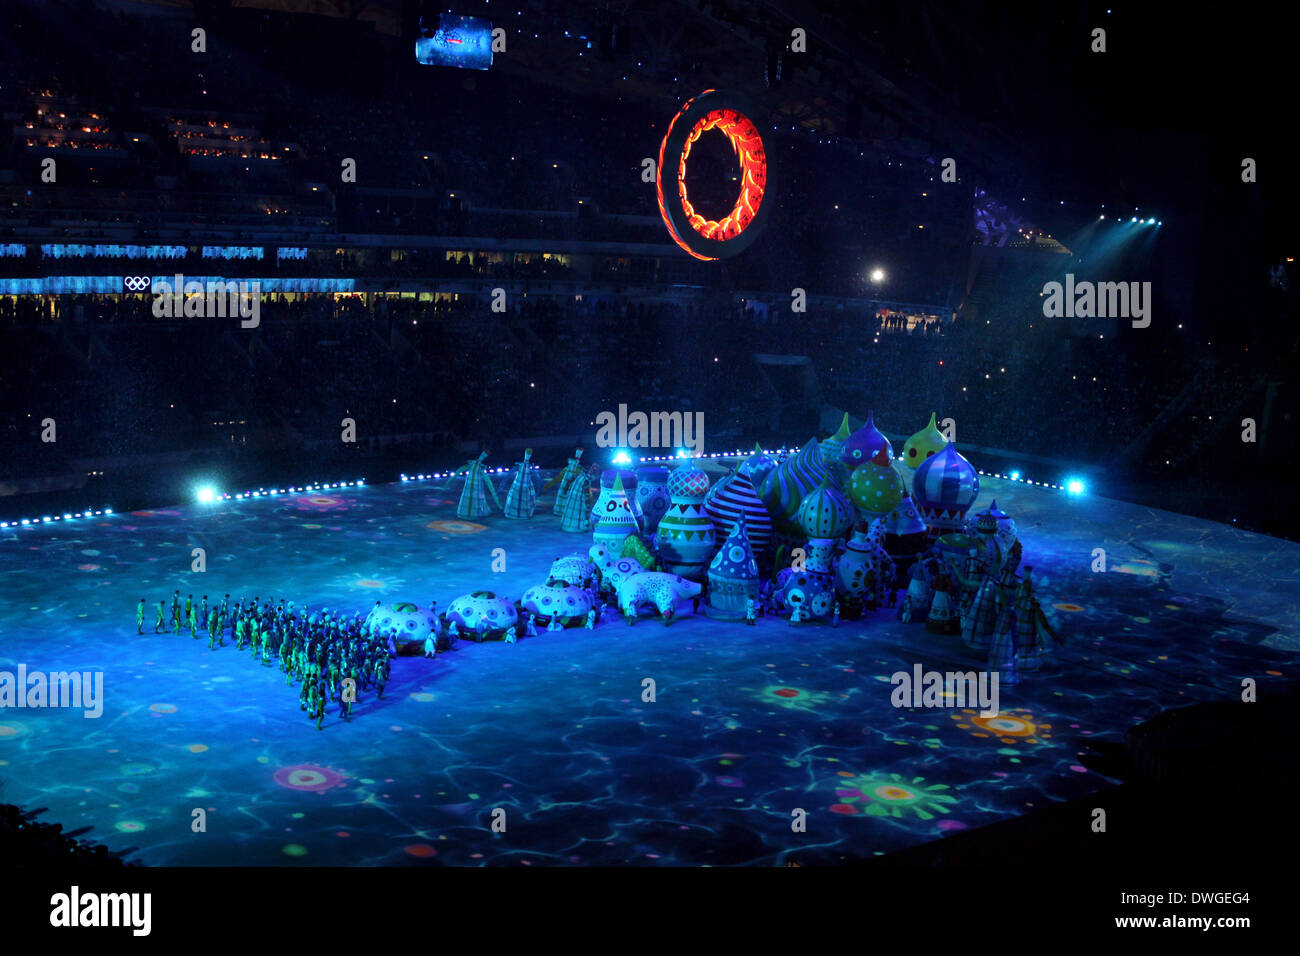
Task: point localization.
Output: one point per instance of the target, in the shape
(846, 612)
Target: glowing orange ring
(711, 239)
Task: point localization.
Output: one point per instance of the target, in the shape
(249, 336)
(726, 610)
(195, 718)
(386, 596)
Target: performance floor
(749, 723)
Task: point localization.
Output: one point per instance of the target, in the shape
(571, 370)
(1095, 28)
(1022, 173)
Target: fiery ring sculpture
(711, 239)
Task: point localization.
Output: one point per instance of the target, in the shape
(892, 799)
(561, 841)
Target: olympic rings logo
(137, 283)
(710, 239)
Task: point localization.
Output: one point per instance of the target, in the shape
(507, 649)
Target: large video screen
(464, 42)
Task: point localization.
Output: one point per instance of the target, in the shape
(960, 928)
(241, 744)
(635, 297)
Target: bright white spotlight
(1075, 486)
(877, 275)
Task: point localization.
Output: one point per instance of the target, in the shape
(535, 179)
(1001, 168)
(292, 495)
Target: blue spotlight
(1015, 476)
(683, 453)
(622, 458)
(1075, 486)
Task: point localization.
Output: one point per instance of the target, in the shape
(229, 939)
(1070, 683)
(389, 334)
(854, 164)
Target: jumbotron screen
(463, 42)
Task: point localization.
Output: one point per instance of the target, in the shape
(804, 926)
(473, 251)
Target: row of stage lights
(452, 474)
(209, 495)
(49, 519)
(1072, 486)
(1140, 222)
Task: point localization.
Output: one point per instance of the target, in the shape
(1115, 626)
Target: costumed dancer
(576, 514)
(940, 619)
(521, 499)
(1031, 625)
(473, 497)
(530, 626)
(1002, 648)
(565, 480)
(161, 623)
(139, 617)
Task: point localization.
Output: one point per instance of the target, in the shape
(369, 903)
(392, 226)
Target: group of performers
(333, 657)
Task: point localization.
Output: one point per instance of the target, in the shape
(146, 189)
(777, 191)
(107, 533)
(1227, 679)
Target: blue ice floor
(749, 723)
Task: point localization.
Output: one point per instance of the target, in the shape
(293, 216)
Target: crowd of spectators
(119, 382)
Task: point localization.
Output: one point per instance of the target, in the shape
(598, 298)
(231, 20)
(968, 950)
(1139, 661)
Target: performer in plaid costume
(473, 497)
(521, 500)
(565, 480)
(577, 504)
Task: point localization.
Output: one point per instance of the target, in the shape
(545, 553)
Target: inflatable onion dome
(867, 444)
(735, 559)
(785, 488)
(735, 498)
(833, 448)
(616, 519)
(652, 495)
(757, 466)
(630, 483)
(610, 475)
(990, 519)
(925, 443)
(825, 513)
(904, 519)
(944, 487)
(688, 481)
(875, 489)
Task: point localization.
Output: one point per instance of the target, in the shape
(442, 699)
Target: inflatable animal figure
(614, 570)
(659, 588)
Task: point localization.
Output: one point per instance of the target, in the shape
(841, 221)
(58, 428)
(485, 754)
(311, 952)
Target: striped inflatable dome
(789, 483)
(733, 497)
(944, 487)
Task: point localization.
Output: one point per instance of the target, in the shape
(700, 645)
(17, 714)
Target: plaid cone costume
(473, 497)
(565, 480)
(577, 505)
(1031, 625)
(521, 500)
